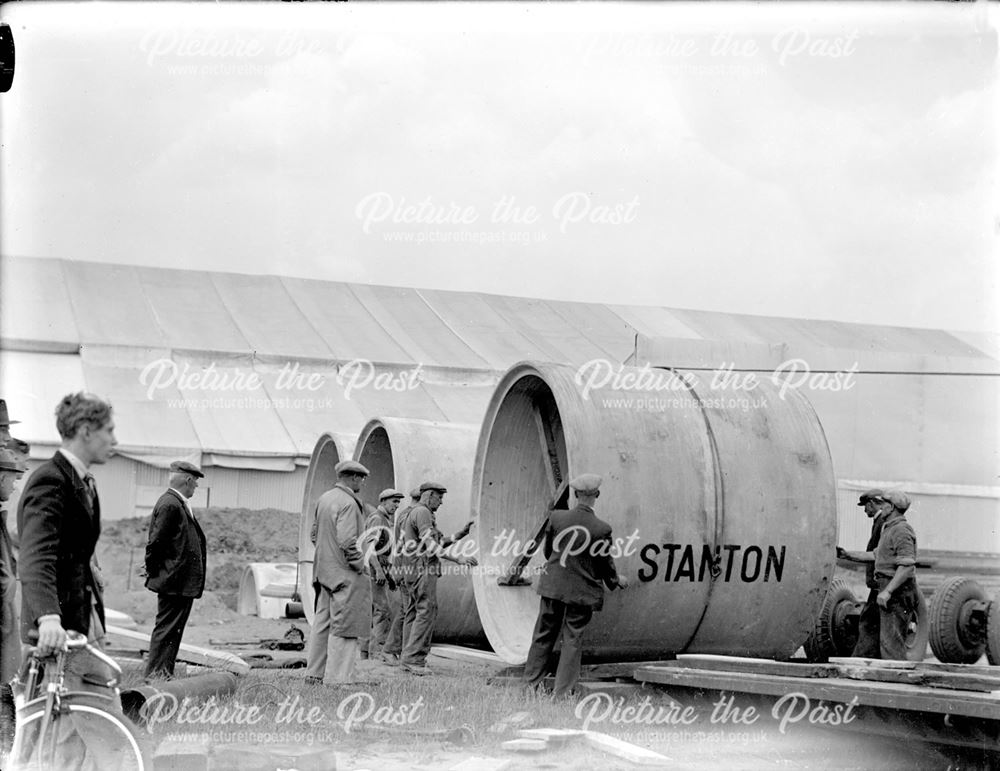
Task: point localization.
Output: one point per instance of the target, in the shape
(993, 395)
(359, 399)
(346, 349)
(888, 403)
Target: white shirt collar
(75, 462)
(187, 504)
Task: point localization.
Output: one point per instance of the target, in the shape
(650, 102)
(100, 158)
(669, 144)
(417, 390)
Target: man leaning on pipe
(571, 585)
(418, 563)
(898, 598)
(867, 645)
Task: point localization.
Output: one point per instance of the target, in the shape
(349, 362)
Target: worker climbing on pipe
(578, 567)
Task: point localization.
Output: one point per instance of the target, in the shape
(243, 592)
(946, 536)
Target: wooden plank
(549, 734)
(953, 680)
(891, 695)
(611, 671)
(471, 655)
(926, 666)
(192, 654)
(525, 745)
(626, 750)
(857, 669)
(759, 666)
(512, 576)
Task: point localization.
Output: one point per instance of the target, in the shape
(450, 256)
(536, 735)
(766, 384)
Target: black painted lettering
(671, 548)
(686, 568)
(757, 554)
(644, 556)
(778, 562)
(732, 549)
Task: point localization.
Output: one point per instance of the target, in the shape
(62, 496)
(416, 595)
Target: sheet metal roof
(109, 323)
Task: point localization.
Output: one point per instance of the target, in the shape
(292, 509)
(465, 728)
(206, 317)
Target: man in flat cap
(899, 600)
(343, 594)
(11, 470)
(386, 633)
(403, 510)
(578, 567)
(868, 621)
(176, 556)
(418, 563)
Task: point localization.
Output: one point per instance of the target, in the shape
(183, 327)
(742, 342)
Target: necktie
(91, 487)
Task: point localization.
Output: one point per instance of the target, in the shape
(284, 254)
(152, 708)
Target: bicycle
(58, 728)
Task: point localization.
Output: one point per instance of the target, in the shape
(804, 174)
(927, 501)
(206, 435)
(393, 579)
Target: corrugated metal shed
(434, 355)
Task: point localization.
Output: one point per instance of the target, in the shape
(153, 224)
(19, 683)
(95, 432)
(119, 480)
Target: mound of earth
(235, 537)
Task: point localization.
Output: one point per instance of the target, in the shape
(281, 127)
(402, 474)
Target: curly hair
(78, 409)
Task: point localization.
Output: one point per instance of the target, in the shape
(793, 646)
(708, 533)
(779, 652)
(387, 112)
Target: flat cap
(586, 483)
(186, 468)
(436, 486)
(897, 498)
(4, 417)
(389, 493)
(9, 462)
(871, 495)
(415, 493)
(350, 467)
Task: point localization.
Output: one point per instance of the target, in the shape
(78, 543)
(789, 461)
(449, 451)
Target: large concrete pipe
(265, 589)
(330, 449)
(722, 503)
(403, 453)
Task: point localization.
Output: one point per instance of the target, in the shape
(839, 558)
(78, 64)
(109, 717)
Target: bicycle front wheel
(83, 736)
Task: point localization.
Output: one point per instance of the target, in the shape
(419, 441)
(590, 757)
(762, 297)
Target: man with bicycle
(59, 521)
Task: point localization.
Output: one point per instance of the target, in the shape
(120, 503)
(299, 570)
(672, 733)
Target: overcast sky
(824, 161)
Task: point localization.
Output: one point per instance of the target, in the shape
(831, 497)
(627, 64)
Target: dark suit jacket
(578, 563)
(175, 550)
(59, 532)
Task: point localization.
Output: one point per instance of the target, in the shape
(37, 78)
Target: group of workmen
(361, 561)
(375, 573)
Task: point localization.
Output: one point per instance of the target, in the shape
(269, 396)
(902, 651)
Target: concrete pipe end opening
(374, 451)
(402, 453)
(723, 517)
(520, 444)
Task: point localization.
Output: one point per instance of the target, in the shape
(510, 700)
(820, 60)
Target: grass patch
(416, 715)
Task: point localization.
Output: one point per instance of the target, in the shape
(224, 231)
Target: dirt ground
(236, 537)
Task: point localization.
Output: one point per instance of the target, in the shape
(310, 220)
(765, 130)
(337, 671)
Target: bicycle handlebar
(77, 641)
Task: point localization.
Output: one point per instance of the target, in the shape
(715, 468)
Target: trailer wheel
(953, 639)
(993, 632)
(834, 634)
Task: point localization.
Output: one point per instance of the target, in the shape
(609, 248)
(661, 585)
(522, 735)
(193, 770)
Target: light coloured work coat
(338, 562)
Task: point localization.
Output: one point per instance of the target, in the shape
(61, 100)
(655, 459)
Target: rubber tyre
(950, 642)
(825, 640)
(120, 737)
(993, 632)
